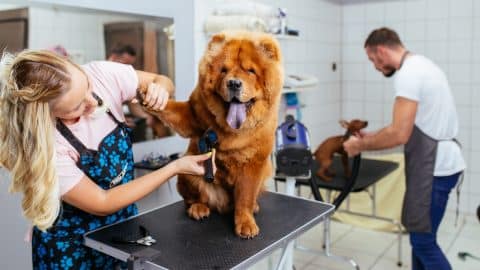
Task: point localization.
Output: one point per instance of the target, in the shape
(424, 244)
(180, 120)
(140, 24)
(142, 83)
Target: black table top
(183, 243)
(371, 170)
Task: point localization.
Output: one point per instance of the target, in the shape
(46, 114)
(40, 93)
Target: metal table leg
(289, 190)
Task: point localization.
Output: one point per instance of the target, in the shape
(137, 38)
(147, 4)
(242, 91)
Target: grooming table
(371, 170)
(183, 243)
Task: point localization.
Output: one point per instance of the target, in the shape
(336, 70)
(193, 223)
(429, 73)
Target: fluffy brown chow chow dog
(237, 96)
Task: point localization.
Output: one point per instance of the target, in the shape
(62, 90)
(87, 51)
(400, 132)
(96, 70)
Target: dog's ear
(217, 38)
(343, 123)
(216, 43)
(270, 48)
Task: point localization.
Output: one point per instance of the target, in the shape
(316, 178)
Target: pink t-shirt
(114, 83)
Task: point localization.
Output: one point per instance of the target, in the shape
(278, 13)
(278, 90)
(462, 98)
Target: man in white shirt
(425, 121)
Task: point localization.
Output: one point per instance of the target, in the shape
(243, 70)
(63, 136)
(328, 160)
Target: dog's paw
(324, 176)
(331, 172)
(246, 228)
(198, 211)
(256, 208)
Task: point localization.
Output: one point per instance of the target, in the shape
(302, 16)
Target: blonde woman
(64, 141)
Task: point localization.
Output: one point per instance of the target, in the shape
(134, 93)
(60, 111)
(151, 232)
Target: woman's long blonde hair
(30, 82)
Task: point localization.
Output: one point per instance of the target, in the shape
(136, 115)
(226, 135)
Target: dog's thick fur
(240, 67)
(324, 153)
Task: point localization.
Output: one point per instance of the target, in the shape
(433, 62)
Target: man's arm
(397, 133)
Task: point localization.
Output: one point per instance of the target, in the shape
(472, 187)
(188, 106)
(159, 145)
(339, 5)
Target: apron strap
(459, 184)
(67, 133)
(71, 138)
(457, 191)
(101, 103)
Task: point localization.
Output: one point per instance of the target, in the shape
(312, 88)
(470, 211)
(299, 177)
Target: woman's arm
(146, 78)
(89, 197)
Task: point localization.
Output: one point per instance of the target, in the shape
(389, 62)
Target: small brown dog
(324, 153)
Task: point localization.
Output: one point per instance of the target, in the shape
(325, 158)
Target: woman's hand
(193, 164)
(155, 97)
(154, 90)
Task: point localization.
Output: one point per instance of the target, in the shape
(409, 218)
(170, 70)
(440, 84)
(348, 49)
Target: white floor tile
(314, 237)
(471, 228)
(366, 241)
(389, 264)
(378, 250)
(364, 260)
(392, 253)
(465, 244)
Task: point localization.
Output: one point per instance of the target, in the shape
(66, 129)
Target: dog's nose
(366, 123)
(234, 85)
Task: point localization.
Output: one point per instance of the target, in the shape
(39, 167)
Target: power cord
(463, 256)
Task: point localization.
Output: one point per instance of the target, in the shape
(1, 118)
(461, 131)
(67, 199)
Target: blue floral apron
(60, 247)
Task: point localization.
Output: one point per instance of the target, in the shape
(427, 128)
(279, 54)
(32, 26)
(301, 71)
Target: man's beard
(390, 71)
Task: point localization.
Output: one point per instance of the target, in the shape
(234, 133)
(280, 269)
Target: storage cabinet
(14, 30)
(154, 54)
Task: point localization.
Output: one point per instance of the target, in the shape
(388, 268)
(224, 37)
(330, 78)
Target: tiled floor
(378, 250)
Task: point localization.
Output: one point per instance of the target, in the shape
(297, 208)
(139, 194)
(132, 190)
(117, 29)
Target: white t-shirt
(419, 79)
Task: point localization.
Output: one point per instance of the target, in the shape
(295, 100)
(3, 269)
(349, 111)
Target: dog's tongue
(236, 115)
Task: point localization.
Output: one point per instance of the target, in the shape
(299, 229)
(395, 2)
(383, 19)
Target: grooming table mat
(371, 170)
(184, 243)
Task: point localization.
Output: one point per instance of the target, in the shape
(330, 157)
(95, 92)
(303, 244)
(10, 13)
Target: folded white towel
(215, 24)
(245, 8)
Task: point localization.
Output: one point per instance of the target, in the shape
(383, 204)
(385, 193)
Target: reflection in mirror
(86, 35)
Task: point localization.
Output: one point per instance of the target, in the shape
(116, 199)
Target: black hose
(350, 182)
(314, 187)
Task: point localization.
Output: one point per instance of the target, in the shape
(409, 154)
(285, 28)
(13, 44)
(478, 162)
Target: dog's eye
(224, 70)
(251, 70)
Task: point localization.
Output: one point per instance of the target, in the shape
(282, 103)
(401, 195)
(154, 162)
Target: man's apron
(420, 154)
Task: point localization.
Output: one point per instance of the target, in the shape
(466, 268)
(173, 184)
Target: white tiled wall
(319, 44)
(448, 32)
(80, 31)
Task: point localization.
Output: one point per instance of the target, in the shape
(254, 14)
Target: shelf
(287, 37)
(286, 90)
(279, 37)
